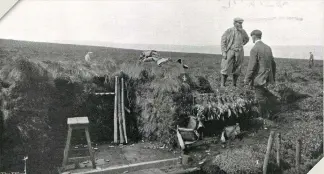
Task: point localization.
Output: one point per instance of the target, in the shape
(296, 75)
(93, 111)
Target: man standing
(232, 43)
(261, 71)
(311, 60)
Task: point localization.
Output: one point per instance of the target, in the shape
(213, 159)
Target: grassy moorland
(42, 84)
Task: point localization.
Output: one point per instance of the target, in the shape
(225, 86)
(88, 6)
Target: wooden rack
(119, 111)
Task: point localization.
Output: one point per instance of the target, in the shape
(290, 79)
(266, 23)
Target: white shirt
(257, 41)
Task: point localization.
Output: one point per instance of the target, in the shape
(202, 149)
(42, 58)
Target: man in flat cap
(232, 43)
(261, 72)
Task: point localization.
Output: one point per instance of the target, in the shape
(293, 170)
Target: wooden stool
(77, 123)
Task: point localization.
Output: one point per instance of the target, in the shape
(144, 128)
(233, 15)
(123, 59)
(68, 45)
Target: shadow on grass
(251, 125)
(274, 169)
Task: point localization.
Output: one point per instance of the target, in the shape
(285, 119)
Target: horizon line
(77, 42)
(162, 50)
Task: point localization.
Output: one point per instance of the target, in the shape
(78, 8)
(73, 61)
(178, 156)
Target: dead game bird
(230, 132)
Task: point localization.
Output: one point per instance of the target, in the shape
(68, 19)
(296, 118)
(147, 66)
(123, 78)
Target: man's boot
(223, 80)
(235, 77)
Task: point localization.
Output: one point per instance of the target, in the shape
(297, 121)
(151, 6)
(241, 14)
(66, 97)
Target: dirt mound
(24, 107)
(286, 94)
(159, 98)
(162, 97)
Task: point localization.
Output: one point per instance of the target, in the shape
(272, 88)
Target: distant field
(299, 118)
(207, 65)
(279, 51)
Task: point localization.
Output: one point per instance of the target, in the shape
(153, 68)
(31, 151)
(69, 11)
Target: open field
(43, 84)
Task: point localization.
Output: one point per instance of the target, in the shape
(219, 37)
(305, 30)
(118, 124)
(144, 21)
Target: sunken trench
(38, 97)
(35, 104)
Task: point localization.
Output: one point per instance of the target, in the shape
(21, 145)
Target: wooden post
(25, 168)
(120, 123)
(298, 145)
(115, 112)
(278, 142)
(90, 148)
(267, 155)
(67, 148)
(123, 109)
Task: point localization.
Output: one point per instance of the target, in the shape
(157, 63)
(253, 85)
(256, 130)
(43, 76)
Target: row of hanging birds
(224, 107)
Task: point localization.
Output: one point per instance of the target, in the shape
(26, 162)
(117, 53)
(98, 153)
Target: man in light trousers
(232, 43)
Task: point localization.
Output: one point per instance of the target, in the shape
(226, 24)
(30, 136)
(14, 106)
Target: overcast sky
(179, 22)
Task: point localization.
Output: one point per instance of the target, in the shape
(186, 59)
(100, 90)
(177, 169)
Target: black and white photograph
(161, 86)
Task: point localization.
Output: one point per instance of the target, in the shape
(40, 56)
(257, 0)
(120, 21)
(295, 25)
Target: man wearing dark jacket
(261, 70)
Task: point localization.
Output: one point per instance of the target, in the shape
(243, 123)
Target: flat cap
(256, 33)
(238, 19)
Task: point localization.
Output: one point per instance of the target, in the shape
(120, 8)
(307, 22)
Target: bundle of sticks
(119, 113)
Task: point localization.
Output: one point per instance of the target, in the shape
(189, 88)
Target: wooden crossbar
(104, 93)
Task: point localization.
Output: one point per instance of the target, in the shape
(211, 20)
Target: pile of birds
(213, 107)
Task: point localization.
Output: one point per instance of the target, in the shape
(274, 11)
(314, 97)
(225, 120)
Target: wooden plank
(83, 120)
(123, 109)
(185, 129)
(267, 155)
(105, 93)
(180, 140)
(79, 159)
(148, 171)
(90, 148)
(67, 147)
(72, 120)
(115, 112)
(120, 122)
(134, 167)
(190, 142)
(77, 120)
